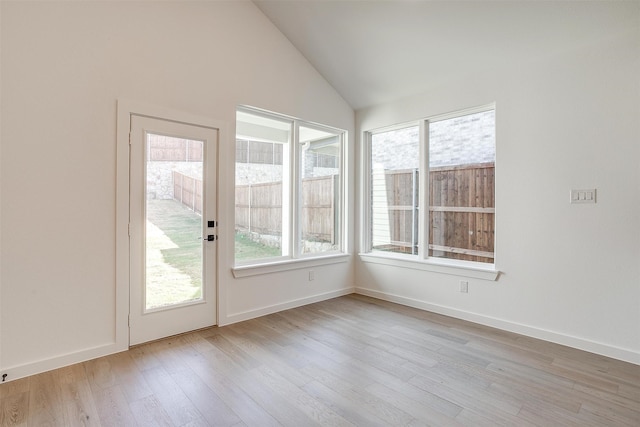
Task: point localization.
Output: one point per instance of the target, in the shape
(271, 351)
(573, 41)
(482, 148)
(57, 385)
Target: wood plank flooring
(347, 361)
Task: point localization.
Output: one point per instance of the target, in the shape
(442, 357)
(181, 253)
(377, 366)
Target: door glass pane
(262, 187)
(394, 190)
(174, 240)
(320, 190)
(462, 152)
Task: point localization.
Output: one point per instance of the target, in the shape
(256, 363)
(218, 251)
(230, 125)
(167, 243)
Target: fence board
(188, 191)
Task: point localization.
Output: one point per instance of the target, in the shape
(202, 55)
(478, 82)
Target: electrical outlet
(312, 275)
(464, 286)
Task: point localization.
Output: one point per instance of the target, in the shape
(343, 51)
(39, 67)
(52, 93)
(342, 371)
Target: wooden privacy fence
(169, 149)
(188, 191)
(259, 208)
(461, 211)
(395, 210)
(319, 202)
(462, 207)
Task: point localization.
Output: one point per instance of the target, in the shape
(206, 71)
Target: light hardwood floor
(347, 361)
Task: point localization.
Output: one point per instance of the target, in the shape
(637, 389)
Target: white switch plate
(583, 196)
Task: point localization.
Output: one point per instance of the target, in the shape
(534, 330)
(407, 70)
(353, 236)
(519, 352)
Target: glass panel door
(173, 228)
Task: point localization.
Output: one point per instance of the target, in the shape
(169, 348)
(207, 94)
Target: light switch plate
(583, 196)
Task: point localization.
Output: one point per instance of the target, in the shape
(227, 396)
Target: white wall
(570, 273)
(64, 66)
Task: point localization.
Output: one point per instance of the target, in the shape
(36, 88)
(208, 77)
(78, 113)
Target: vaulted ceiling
(379, 51)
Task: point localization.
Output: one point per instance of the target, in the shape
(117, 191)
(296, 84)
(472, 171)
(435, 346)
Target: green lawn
(248, 249)
(174, 253)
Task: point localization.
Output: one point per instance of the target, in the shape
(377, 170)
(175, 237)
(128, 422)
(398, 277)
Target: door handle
(211, 238)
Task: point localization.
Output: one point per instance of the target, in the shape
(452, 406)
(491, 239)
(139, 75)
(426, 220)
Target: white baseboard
(32, 368)
(20, 371)
(530, 331)
(252, 314)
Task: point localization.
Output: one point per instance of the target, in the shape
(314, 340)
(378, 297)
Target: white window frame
(421, 260)
(291, 217)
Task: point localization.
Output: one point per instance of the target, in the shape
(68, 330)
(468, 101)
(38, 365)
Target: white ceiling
(379, 51)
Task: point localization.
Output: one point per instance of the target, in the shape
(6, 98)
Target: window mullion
(366, 215)
(423, 203)
(295, 193)
(340, 214)
(287, 187)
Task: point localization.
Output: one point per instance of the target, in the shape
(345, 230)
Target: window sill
(286, 265)
(443, 267)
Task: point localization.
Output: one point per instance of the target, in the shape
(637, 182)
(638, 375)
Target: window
(394, 189)
(288, 196)
(462, 153)
(456, 155)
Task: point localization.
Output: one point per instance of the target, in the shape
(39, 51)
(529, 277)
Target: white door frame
(125, 110)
